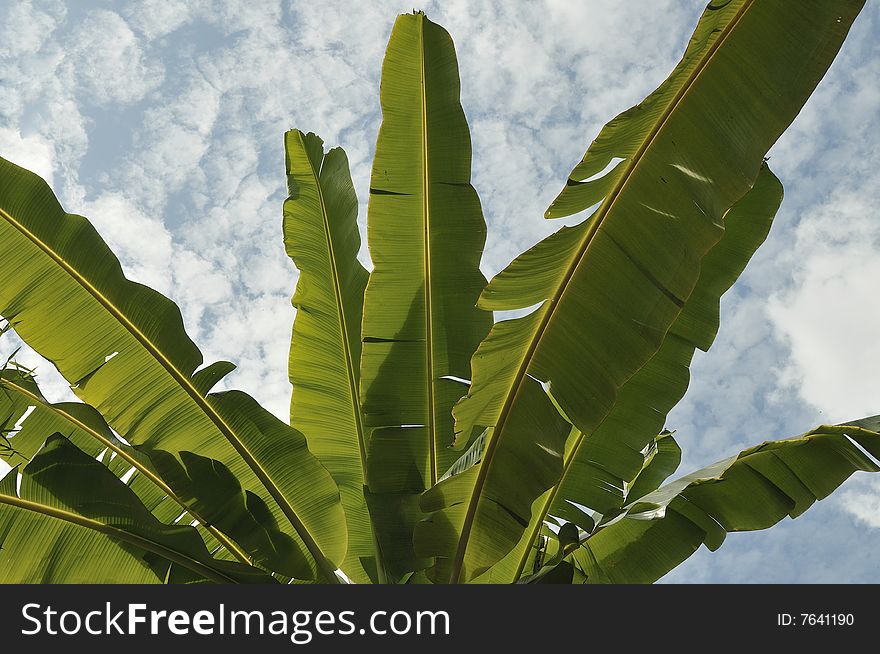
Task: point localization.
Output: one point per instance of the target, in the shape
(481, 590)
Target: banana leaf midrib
(121, 534)
(596, 222)
(426, 219)
(234, 549)
(191, 392)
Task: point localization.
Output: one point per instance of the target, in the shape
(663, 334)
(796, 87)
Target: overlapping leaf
(29, 419)
(601, 471)
(123, 348)
(753, 490)
(72, 521)
(542, 547)
(661, 461)
(611, 287)
(558, 430)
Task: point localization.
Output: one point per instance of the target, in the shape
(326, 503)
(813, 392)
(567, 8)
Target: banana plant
(428, 443)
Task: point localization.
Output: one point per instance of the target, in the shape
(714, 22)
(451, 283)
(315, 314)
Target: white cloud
(863, 503)
(107, 61)
(31, 152)
(198, 286)
(157, 18)
(35, 102)
(25, 28)
(828, 317)
(170, 144)
(140, 241)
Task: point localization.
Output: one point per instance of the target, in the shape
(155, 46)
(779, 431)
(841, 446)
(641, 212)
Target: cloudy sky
(162, 122)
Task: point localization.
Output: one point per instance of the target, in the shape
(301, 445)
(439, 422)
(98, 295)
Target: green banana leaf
(613, 452)
(542, 548)
(28, 418)
(558, 569)
(610, 288)
(321, 236)
(661, 462)
(123, 348)
(22, 405)
(753, 490)
(426, 234)
(72, 521)
(601, 471)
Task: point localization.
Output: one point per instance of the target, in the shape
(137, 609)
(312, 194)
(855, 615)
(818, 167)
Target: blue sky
(162, 122)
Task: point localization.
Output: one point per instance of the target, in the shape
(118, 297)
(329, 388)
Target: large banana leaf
(123, 348)
(601, 471)
(24, 411)
(753, 490)
(426, 234)
(72, 521)
(321, 236)
(29, 418)
(610, 288)
(613, 453)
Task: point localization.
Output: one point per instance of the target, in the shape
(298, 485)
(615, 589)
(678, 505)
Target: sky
(162, 122)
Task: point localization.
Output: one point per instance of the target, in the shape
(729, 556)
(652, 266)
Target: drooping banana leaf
(426, 234)
(26, 418)
(25, 411)
(321, 236)
(72, 521)
(123, 348)
(753, 490)
(610, 288)
(601, 471)
(29, 419)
